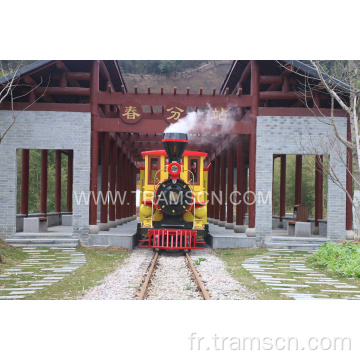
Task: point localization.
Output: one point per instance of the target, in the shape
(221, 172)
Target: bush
(341, 258)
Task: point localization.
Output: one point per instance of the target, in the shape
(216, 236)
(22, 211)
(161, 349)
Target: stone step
(297, 240)
(42, 236)
(61, 243)
(290, 246)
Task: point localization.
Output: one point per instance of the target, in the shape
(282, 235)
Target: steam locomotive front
(174, 196)
(172, 220)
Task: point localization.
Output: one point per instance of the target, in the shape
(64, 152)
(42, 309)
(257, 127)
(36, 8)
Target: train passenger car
(173, 196)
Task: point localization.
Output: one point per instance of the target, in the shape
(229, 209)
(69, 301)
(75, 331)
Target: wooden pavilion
(96, 89)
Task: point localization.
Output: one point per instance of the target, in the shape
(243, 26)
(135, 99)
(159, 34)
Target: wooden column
(44, 182)
(298, 180)
(25, 162)
(113, 147)
(124, 186)
(119, 183)
(245, 207)
(223, 186)
(240, 169)
(132, 182)
(104, 177)
(94, 162)
(217, 189)
(70, 181)
(255, 92)
(128, 186)
(282, 186)
(210, 189)
(135, 187)
(230, 187)
(318, 189)
(272, 190)
(349, 182)
(58, 181)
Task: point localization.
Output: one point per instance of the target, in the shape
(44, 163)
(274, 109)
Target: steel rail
(204, 293)
(148, 276)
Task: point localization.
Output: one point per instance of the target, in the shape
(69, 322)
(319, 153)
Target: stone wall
(297, 135)
(44, 130)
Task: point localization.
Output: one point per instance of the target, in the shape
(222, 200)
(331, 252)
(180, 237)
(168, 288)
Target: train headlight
(174, 169)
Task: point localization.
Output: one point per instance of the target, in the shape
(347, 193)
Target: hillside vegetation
(206, 77)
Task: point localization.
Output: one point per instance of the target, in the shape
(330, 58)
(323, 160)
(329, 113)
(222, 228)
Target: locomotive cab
(173, 196)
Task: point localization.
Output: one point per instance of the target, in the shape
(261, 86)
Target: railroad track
(151, 270)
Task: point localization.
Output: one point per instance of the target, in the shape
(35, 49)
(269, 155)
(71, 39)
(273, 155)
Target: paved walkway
(286, 272)
(42, 268)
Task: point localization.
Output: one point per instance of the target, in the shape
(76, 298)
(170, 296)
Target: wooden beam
(147, 125)
(83, 76)
(279, 95)
(79, 91)
(154, 99)
(270, 79)
(62, 67)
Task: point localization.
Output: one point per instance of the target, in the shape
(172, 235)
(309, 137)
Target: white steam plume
(204, 122)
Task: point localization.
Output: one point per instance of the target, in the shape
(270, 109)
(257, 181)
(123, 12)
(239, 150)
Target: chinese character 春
(175, 113)
(130, 112)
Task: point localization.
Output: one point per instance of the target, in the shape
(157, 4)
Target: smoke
(211, 121)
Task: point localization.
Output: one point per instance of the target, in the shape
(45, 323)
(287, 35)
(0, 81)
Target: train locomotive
(173, 197)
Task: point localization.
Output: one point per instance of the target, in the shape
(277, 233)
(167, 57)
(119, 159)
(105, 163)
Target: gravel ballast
(172, 278)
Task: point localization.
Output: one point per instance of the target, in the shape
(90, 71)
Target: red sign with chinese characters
(131, 112)
(173, 112)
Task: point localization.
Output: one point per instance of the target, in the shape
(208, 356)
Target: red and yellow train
(173, 196)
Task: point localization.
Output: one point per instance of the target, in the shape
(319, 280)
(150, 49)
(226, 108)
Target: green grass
(12, 256)
(99, 263)
(340, 259)
(233, 259)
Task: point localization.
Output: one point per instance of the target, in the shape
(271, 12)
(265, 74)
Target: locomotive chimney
(175, 145)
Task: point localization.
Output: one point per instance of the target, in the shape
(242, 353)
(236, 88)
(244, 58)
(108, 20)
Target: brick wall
(298, 135)
(44, 130)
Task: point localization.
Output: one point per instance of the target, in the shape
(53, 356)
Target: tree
(7, 90)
